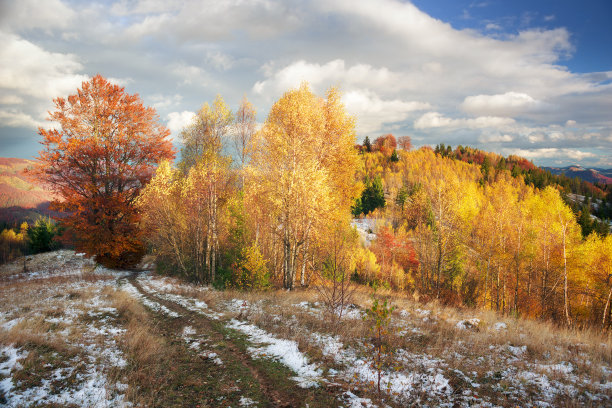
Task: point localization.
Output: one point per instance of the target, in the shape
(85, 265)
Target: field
(75, 334)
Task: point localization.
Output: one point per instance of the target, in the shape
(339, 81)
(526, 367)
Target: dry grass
(426, 337)
(142, 345)
(145, 350)
(544, 340)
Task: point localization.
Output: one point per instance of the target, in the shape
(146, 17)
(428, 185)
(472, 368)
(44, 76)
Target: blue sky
(588, 23)
(532, 78)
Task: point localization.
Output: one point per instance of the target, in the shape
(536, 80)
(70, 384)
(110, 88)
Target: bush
(251, 272)
(42, 236)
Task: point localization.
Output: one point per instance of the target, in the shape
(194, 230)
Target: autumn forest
(298, 201)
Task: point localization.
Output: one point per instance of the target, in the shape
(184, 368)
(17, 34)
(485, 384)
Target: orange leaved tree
(103, 152)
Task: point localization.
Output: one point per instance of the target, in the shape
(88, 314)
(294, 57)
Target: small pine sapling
(378, 316)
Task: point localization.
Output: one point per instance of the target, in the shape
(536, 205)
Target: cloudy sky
(532, 78)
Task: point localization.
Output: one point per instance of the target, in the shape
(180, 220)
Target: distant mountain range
(21, 198)
(592, 175)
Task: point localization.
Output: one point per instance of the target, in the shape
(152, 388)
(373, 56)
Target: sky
(532, 78)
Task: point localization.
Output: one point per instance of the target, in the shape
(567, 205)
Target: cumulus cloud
(11, 100)
(27, 69)
(507, 104)
(179, 120)
(13, 118)
(219, 60)
(33, 14)
(324, 75)
(400, 69)
(552, 152)
(160, 101)
(496, 138)
(30, 77)
(190, 74)
(209, 20)
(436, 120)
(372, 112)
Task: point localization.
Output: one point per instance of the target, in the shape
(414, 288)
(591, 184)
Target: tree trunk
(304, 255)
(565, 298)
(215, 238)
(603, 320)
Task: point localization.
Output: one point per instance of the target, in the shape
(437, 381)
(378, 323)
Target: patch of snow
(518, 351)
(468, 324)
(168, 284)
(237, 305)
(214, 357)
(400, 385)
(499, 326)
(156, 307)
(247, 402)
(11, 323)
(92, 391)
(10, 356)
(563, 367)
(365, 228)
(354, 401)
(286, 351)
(423, 313)
(191, 304)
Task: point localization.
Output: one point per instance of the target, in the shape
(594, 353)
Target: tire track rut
(291, 395)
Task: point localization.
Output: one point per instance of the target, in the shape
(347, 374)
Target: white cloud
(219, 60)
(372, 112)
(30, 77)
(190, 74)
(159, 101)
(11, 100)
(496, 138)
(321, 76)
(507, 104)
(34, 14)
(437, 120)
(392, 61)
(210, 20)
(536, 137)
(12, 118)
(177, 121)
(552, 153)
(27, 69)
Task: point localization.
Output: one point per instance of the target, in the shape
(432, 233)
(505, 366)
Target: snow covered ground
(463, 372)
(59, 337)
(366, 227)
(433, 356)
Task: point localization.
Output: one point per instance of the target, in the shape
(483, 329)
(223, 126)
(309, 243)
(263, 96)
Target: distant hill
(21, 199)
(592, 175)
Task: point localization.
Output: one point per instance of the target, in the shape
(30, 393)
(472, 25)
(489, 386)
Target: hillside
(74, 333)
(20, 197)
(592, 175)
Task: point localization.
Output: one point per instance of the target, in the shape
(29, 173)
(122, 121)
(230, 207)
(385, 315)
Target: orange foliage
(404, 142)
(105, 150)
(385, 144)
(396, 256)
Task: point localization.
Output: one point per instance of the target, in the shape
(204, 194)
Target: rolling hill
(593, 175)
(21, 198)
